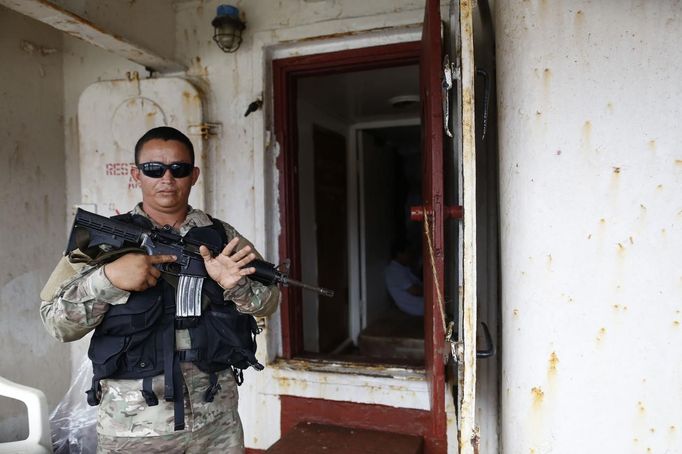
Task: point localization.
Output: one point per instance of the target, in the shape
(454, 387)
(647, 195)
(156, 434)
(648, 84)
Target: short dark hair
(164, 133)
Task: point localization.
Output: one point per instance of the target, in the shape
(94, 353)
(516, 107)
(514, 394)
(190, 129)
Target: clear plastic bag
(73, 422)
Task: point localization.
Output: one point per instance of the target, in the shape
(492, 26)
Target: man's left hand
(228, 268)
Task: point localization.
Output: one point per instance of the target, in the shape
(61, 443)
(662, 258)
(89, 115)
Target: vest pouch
(229, 338)
(106, 354)
(139, 313)
(142, 356)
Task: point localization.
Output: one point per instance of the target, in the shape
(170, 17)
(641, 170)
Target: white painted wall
(32, 202)
(309, 116)
(591, 220)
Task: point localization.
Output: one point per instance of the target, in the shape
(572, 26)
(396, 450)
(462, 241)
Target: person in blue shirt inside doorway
(402, 283)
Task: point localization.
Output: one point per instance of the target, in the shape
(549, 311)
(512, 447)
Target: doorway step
(312, 438)
(395, 336)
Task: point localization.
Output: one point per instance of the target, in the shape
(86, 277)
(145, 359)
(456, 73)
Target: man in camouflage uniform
(77, 297)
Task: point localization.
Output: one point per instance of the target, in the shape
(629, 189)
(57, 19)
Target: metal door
(431, 215)
(112, 116)
(441, 75)
(463, 73)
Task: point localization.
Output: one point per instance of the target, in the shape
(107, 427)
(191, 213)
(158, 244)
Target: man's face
(166, 194)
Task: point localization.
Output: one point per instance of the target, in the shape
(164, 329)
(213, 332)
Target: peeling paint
(36, 49)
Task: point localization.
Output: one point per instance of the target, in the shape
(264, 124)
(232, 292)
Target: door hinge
(205, 130)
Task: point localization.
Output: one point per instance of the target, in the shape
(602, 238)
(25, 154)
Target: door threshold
(403, 372)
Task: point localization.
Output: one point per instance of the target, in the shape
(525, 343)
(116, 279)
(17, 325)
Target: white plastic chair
(39, 440)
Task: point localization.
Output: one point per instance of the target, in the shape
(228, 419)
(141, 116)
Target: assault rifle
(92, 232)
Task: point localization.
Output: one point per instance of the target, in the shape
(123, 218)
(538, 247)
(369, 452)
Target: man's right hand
(135, 272)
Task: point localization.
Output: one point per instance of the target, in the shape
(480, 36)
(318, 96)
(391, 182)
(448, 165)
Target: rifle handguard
(266, 273)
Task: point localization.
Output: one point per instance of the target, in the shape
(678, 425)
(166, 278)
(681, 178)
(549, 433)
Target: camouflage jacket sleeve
(75, 299)
(251, 297)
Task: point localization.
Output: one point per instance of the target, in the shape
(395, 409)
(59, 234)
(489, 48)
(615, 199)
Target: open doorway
(357, 169)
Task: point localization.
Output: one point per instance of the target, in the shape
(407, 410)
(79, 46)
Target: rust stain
(609, 107)
(339, 35)
(601, 334)
(652, 144)
(631, 240)
(586, 135)
(546, 78)
(515, 312)
(659, 187)
(641, 407)
(676, 323)
(678, 162)
(553, 362)
(538, 395)
(616, 170)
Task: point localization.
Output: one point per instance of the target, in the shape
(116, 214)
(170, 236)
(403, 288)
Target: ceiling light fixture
(404, 101)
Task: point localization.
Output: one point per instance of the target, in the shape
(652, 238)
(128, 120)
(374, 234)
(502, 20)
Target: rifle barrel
(321, 290)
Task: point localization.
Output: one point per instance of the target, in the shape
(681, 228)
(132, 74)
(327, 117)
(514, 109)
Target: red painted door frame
(432, 192)
(285, 72)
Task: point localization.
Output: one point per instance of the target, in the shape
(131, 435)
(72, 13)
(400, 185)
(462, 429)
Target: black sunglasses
(158, 169)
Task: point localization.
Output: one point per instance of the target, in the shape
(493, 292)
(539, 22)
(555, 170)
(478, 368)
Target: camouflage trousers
(126, 424)
(206, 440)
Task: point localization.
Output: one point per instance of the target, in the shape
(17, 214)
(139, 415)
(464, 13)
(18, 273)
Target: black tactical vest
(136, 340)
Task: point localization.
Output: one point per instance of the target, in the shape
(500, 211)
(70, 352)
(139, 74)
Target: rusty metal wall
(591, 220)
(32, 202)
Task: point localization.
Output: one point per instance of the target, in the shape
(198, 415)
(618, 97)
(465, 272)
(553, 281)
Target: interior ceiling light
(404, 101)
